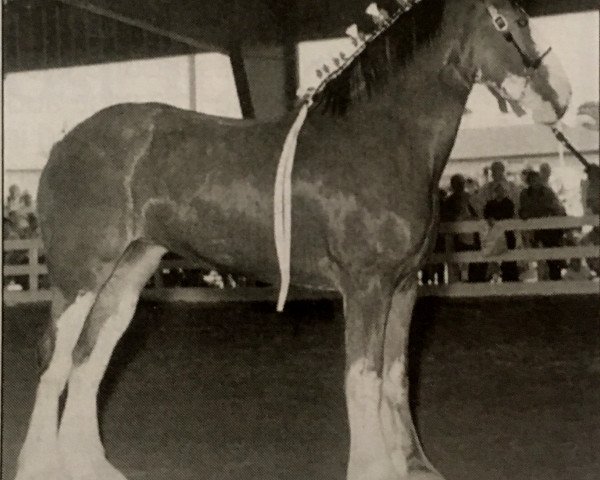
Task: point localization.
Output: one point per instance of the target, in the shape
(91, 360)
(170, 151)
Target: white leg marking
(369, 456)
(395, 394)
(39, 458)
(79, 436)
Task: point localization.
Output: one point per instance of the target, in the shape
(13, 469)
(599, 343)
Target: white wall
(41, 106)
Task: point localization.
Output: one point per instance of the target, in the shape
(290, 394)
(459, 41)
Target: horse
(134, 181)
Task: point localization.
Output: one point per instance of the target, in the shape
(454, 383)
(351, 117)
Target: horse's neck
(422, 109)
(419, 107)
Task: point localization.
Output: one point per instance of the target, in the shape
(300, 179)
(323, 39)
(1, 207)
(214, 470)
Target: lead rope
(282, 203)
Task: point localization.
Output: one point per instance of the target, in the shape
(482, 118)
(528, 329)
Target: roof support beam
(241, 79)
(290, 53)
(146, 26)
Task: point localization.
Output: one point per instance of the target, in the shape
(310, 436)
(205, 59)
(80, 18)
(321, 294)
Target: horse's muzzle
(548, 94)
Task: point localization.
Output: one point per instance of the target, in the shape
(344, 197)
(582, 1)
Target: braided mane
(381, 55)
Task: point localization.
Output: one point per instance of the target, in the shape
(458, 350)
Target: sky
(40, 106)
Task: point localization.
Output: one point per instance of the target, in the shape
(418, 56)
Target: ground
(502, 389)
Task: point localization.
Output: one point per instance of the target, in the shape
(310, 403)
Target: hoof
(43, 473)
(99, 469)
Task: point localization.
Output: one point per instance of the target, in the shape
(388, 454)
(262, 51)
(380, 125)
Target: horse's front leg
(396, 421)
(383, 445)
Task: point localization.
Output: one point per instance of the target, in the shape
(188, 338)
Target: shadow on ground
(502, 389)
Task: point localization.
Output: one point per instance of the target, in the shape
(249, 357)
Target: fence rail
(22, 261)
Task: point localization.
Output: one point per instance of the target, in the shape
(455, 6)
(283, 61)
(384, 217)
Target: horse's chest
(358, 233)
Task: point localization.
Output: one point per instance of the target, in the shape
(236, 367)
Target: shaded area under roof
(40, 34)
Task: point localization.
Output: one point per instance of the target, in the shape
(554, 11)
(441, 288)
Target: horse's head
(515, 62)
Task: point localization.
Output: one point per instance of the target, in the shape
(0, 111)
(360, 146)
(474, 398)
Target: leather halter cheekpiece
(501, 24)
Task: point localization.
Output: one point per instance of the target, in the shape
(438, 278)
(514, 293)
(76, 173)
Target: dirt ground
(502, 389)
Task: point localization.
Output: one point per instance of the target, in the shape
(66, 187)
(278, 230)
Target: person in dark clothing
(434, 273)
(457, 207)
(502, 208)
(592, 204)
(539, 201)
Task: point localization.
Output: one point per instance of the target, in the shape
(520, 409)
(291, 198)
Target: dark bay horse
(137, 180)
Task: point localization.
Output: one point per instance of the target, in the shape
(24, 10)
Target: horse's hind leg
(79, 438)
(39, 458)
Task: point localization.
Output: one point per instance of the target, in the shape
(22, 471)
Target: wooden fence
(25, 273)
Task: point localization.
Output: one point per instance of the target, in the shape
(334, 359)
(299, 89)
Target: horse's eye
(523, 22)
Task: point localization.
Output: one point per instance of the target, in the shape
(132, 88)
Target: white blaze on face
(547, 104)
(557, 77)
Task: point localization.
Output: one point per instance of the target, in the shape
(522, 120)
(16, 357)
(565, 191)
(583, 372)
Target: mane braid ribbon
(282, 201)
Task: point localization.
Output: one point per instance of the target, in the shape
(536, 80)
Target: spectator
(539, 201)
(555, 185)
(31, 230)
(545, 173)
(25, 204)
(471, 186)
(13, 199)
(592, 204)
(19, 214)
(433, 273)
(487, 192)
(9, 229)
(524, 174)
(501, 208)
(457, 207)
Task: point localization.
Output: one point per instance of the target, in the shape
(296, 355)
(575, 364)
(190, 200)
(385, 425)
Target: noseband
(501, 24)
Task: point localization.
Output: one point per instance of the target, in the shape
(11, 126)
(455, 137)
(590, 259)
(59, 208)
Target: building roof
(519, 141)
(40, 34)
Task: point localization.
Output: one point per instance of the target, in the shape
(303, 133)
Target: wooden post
(192, 84)
(101, 36)
(29, 55)
(86, 34)
(290, 53)
(72, 40)
(17, 40)
(33, 269)
(57, 33)
(241, 78)
(44, 34)
(452, 268)
(115, 37)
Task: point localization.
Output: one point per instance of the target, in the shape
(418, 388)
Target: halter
(501, 25)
